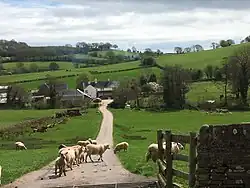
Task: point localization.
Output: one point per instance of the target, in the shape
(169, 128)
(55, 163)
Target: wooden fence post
(0, 174)
(192, 159)
(159, 141)
(169, 159)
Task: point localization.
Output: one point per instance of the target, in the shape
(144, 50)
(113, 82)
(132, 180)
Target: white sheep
(153, 150)
(61, 164)
(92, 149)
(78, 151)
(83, 143)
(81, 157)
(176, 147)
(92, 141)
(120, 146)
(69, 152)
(20, 145)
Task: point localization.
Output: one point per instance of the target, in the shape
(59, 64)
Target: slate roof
(73, 93)
(58, 86)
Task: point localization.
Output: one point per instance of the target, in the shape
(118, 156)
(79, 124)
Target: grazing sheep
(92, 141)
(83, 143)
(120, 146)
(61, 164)
(92, 149)
(153, 150)
(20, 145)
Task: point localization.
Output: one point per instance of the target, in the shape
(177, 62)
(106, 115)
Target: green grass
(10, 117)
(84, 56)
(201, 91)
(116, 52)
(128, 123)
(62, 65)
(71, 81)
(28, 76)
(198, 60)
(42, 147)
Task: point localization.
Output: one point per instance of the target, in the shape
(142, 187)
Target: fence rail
(166, 158)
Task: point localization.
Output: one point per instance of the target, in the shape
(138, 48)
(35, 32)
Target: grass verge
(139, 128)
(42, 147)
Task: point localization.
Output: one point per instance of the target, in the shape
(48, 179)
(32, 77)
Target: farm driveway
(107, 172)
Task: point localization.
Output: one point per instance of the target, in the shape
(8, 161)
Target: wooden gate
(165, 161)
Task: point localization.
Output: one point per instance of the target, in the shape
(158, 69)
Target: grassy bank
(42, 147)
(139, 130)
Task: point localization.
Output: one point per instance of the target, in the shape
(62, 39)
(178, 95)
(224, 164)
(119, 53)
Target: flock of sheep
(68, 156)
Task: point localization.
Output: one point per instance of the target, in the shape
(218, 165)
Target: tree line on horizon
(214, 45)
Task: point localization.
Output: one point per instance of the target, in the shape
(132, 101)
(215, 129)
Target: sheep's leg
(91, 158)
(64, 171)
(100, 158)
(60, 171)
(55, 169)
(86, 158)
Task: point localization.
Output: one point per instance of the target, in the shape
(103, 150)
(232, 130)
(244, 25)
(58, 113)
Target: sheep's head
(61, 146)
(63, 155)
(106, 146)
(180, 146)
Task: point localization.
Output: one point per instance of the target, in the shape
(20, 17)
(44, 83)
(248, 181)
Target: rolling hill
(200, 59)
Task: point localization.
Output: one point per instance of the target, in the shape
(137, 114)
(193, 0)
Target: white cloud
(120, 22)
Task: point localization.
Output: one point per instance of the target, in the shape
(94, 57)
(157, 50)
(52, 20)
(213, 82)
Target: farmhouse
(3, 94)
(73, 97)
(100, 89)
(44, 89)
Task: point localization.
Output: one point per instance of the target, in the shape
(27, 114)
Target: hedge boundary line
(74, 75)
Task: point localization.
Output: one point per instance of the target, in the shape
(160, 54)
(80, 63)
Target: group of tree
(20, 68)
(84, 47)
(194, 48)
(246, 39)
(226, 43)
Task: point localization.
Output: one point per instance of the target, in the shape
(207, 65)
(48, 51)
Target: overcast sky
(161, 24)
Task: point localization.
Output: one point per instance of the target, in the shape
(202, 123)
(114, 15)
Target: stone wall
(223, 156)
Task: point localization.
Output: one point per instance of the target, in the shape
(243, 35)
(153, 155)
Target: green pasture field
(84, 56)
(43, 147)
(116, 52)
(40, 64)
(10, 117)
(71, 81)
(28, 76)
(139, 129)
(198, 60)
